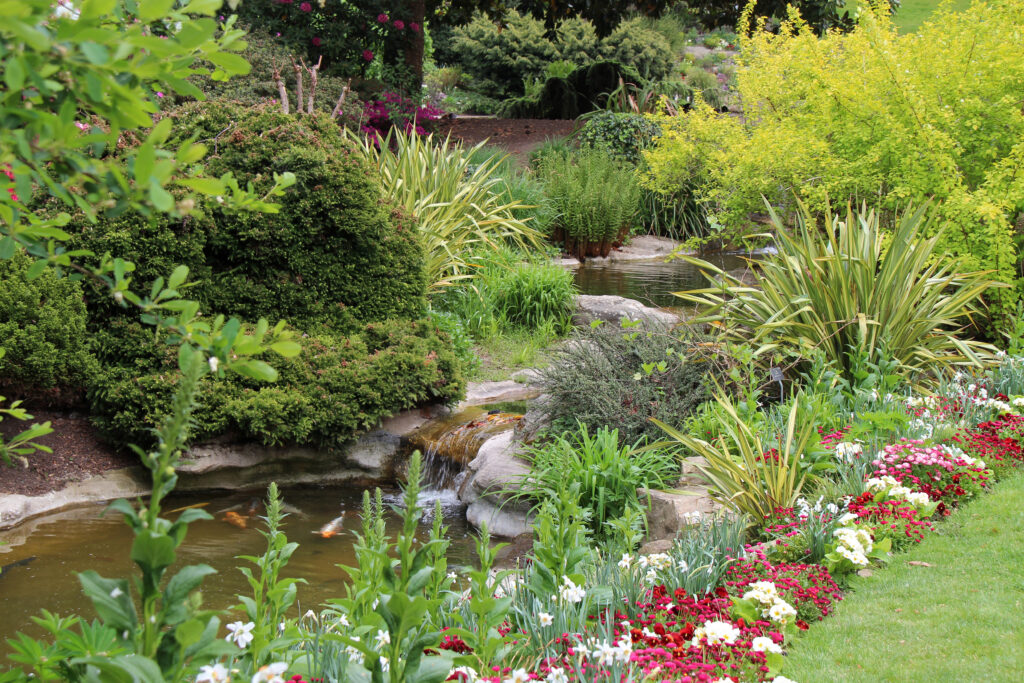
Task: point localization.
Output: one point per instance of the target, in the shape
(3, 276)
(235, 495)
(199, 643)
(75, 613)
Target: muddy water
(650, 282)
(77, 539)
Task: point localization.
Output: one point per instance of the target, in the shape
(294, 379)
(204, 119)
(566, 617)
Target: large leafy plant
(850, 287)
(747, 472)
(459, 205)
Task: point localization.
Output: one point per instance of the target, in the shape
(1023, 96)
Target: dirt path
(518, 136)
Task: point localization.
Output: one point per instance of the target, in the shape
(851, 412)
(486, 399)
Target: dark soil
(78, 453)
(518, 136)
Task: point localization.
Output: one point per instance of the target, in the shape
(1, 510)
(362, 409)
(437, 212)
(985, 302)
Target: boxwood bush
(334, 255)
(42, 329)
(337, 387)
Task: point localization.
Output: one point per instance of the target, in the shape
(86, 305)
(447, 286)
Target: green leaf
(90, 9)
(210, 186)
(185, 581)
(7, 247)
(14, 73)
(230, 62)
(124, 669)
(288, 349)
(255, 369)
(207, 7)
(110, 599)
(96, 54)
(151, 10)
(178, 277)
(161, 198)
(153, 551)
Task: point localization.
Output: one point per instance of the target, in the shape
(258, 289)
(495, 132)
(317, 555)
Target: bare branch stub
(282, 91)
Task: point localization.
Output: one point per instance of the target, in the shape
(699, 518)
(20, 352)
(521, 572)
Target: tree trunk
(414, 43)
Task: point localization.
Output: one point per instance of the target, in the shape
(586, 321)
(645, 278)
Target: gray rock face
(669, 512)
(507, 521)
(612, 309)
(123, 483)
(492, 477)
(482, 393)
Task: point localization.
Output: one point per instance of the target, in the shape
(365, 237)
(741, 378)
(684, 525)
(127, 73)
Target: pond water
(77, 539)
(650, 282)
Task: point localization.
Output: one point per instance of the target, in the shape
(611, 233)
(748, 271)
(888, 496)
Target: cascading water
(450, 444)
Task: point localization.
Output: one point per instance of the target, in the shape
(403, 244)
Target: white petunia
(218, 673)
(240, 634)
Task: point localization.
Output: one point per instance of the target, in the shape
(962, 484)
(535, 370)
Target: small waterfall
(450, 444)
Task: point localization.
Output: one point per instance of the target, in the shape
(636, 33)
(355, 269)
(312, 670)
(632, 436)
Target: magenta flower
(306, 7)
(368, 55)
(317, 42)
(159, 94)
(414, 27)
(399, 24)
(382, 18)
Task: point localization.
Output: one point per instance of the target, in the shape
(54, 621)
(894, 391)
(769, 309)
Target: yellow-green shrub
(870, 115)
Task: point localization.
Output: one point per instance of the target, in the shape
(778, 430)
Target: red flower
(368, 55)
(306, 7)
(382, 18)
(414, 27)
(317, 42)
(399, 24)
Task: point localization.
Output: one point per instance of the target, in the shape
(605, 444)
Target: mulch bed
(78, 453)
(518, 136)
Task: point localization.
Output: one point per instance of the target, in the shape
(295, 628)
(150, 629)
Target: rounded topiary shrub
(635, 45)
(335, 254)
(42, 330)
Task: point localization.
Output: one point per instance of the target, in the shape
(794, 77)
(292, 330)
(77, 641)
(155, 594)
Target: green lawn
(960, 619)
(912, 13)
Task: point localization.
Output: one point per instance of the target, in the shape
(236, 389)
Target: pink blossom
(317, 42)
(382, 18)
(399, 24)
(414, 27)
(159, 94)
(368, 55)
(306, 7)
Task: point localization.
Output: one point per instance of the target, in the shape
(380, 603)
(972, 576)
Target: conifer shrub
(43, 333)
(335, 254)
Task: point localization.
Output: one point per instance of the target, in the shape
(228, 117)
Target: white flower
(310, 614)
(570, 592)
(556, 675)
(783, 679)
(545, 619)
(518, 676)
(214, 362)
(218, 673)
(383, 638)
(626, 561)
(719, 632)
(240, 634)
(271, 673)
(764, 644)
(847, 518)
(780, 611)
(603, 653)
(623, 649)
(385, 664)
(116, 593)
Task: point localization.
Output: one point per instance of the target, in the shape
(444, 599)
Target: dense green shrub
(42, 329)
(499, 59)
(637, 46)
(576, 41)
(706, 83)
(334, 255)
(596, 198)
(622, 378)
(337, 387)
(621, 135)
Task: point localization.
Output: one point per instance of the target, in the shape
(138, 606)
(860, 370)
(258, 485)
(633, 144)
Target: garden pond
(41, 573)
(652, 282)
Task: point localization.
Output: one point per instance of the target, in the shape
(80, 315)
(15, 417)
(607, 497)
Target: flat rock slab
(482, 393)
(612, 309)
(129, 482)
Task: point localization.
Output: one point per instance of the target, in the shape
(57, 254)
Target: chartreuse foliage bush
(42, 329)
(854, 291)
(499, 59)
(871, 114)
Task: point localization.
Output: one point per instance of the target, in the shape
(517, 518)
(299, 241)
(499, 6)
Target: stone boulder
(492, 478)
(668, 513)
(612, 309)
